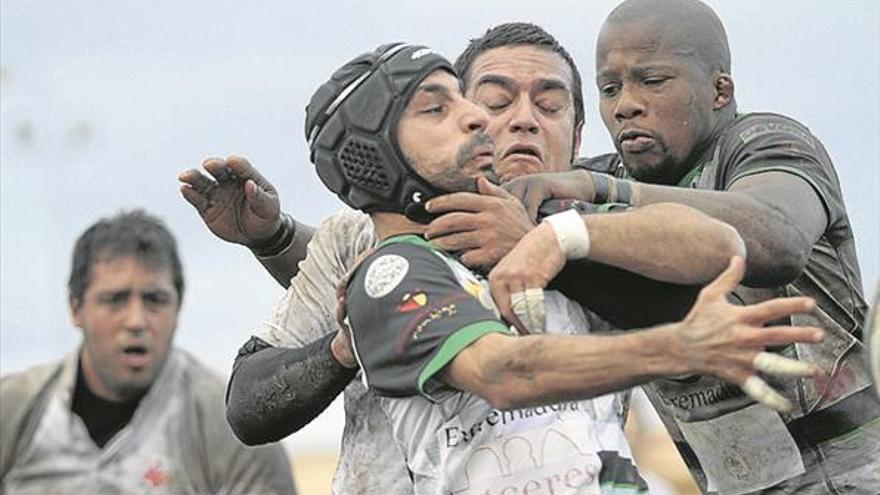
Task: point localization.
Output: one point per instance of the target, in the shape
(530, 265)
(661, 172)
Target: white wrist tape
(572, 234)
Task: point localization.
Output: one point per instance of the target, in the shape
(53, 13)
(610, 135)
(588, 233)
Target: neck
(703, 152)
(392, 224)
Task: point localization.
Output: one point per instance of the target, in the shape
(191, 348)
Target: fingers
(758, 314)
(501, 294)
(784, 335)
(263, 203)
(479, 259)
(241, 167)
(194, 198)
(460, 201)
(726, 281)
(529, 309)
(198, 180)
(458, 242)
(775, 364)
(486, 188)
(451, 223)
(218, 169)
(758, 390)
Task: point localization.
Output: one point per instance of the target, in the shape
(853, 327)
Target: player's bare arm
(644, 241)
(716, 338)
(779, 215)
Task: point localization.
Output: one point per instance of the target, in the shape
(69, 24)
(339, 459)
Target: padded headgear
(351, 125)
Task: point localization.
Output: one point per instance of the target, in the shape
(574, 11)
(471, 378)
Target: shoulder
(339, 240)
(758, 126)
(346, 226)
(21, 385)
(389, 265)
(19, 395)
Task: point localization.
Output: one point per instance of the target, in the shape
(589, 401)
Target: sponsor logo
(456, 436)
(766, 128)
(412, 301)
(705, 397)
(422, 317)
(384, 274)
(434, 315)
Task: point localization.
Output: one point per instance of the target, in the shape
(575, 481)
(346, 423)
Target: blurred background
(102, 104)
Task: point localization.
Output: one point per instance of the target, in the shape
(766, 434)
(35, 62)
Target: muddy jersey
(412, 310)
(307, 312)
(177, 441)
(731, 444)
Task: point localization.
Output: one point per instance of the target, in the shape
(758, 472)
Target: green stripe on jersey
(456, 343)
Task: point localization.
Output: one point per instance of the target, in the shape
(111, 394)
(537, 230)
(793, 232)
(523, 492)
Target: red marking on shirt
(156, 476)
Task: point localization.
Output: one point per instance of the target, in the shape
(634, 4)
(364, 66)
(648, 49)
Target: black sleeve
(764, 142)
(612, 292)
(410, 314)
(275, 391)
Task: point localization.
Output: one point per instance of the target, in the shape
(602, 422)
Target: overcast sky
(103, 103)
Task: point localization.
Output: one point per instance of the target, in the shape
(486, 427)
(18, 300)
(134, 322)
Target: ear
(75, 313)
(723, 84)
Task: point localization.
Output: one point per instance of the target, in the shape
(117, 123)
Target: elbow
(238, 418)
(778, 260)
(240, 429)
(775, 268)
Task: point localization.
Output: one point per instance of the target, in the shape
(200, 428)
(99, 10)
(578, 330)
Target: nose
(629, 105)
(135, 315)
(474, 118)
(523, 118)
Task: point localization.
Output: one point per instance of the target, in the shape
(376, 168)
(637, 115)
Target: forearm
(666, 242)
(284, 265)
(776, 243)
(512, 372)
(275, 391)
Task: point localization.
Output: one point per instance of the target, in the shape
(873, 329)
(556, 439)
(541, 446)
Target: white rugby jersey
(412, 308)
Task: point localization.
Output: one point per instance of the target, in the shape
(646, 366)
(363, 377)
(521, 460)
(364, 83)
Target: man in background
(126, 411)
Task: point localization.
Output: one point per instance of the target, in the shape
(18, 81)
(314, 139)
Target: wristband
(279, 240)
(607, 189)
(571, 233)
(601, 187)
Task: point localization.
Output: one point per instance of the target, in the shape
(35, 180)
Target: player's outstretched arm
(240, 206)
(716, 338)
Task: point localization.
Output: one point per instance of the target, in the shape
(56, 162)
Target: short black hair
(518, 34)
(134, 233)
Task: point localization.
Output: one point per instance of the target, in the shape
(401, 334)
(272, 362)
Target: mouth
(636, 141)
(136, 356)
(524, 151)
(484, 156)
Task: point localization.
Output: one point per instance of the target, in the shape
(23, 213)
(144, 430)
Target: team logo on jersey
(384, 274)
(412, 301)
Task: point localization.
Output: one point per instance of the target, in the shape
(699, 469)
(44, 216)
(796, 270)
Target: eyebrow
(544, 84)
(638, 70)
(433, 88)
